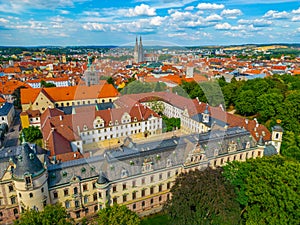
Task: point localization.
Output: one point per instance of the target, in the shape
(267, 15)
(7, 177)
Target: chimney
(75, 155)
(60, 118)
(246, 121)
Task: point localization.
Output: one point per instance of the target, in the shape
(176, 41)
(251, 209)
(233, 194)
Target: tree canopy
(52, 214)
(117, 215)
(267, 189)
(31, 134)
(203, 197)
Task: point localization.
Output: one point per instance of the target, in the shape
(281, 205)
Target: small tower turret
(103, 187)
(205, 115)
(277, 133)
(30, 179)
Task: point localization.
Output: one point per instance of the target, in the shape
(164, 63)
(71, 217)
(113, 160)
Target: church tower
(141, 51)
(277, 132)
(136, 51)
(138, 54)
(30, 179)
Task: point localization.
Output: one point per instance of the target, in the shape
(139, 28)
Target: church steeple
(141, 51)
(138, 51)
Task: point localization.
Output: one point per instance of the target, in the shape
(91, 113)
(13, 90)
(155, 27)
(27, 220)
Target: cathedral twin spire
(138, 51)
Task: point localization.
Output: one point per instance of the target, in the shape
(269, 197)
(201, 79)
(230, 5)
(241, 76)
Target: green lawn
(160, 219)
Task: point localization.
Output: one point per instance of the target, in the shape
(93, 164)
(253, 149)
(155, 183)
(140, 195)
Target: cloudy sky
(162, 22)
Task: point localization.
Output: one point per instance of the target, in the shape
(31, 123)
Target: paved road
(12, 137)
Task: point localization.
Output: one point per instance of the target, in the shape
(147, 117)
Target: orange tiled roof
(70, 93)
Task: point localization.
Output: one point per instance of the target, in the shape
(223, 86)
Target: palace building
(138, 175)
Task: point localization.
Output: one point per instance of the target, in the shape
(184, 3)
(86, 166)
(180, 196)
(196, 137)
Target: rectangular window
(10, 188)
(133, 183)
(85, 187)
(66, 192)
(76, 204)
(55, 195)
(133, 195)
(160, 176)
(151, 190)
(143, 180)
(143, 193)
(160, 188)
(124, 198)
(115, 200)
(13, 200)
(124, 186)
(115, 188)
(168, 185)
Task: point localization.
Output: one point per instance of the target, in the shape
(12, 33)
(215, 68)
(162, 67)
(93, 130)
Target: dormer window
(134, 119)
(169, 163)
(110, 123)
(124, 173)
(85, 127)
(116, 122)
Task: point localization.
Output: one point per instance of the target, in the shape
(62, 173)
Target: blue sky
(160, 22)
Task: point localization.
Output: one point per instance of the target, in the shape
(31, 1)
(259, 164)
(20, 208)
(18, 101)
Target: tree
(203, 197)
(136, 87)
(170, 124)
(47, 84)
(158, 87)
(245, 103)
(117, 215)
(31, 134)
(110, 80)
(267, 189)
(158, 107)
(267, 105)
(52, 214)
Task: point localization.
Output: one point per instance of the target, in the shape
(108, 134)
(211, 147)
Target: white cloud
(296, 11)
(213, 17)
(181, 15)
(94, 26)
(91, 13)
(18, 6)
(177, 34)
(272, 14)
(223, 26)
(64, 12)
(231, 13)
(227, 26)
(189, 8)
(295, 18)
(210, 6)
(156, 21)
(256, 22)
(142, 10)
(2, 20)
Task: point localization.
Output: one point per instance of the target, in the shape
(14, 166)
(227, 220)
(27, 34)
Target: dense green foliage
(52, 214)
(164, 57)
(203, 197)
(267, 189)
(47, 84)
(170, 124)
(136, 87)
(117, 215)
(31, 134)
(155, 219)
(269, 99)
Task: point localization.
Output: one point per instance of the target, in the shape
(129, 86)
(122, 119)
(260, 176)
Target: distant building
(139, 51)
(91, 74)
